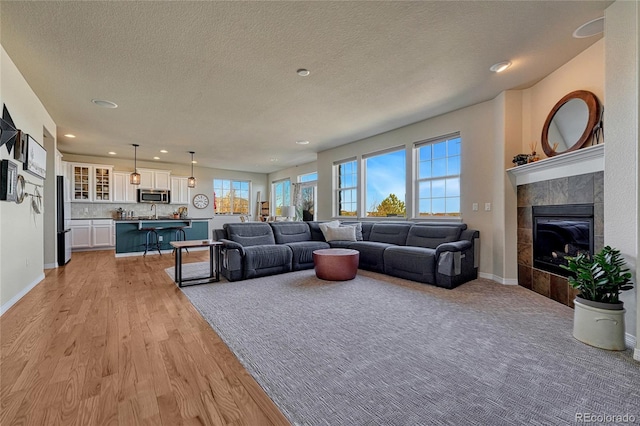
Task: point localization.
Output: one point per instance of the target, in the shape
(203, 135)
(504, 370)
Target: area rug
(379, 350)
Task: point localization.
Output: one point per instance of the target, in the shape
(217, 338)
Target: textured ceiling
(219, 78)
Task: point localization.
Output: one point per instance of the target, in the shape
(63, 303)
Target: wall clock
(200, 201)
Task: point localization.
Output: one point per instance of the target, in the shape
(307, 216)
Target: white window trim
(215, 213)
(337, 189)
(416, 187)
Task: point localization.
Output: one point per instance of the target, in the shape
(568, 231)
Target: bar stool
(179, 235)
(152, 240)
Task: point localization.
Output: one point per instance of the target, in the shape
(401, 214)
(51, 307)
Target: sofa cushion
(357, 226)
(303, 253)
(250, 233)
(290, 232)
(371, 254)
(316, 233)
(431, 235)
(326, 225)
(413, 263)
(390, 232)
(261, 260)
(342, 233)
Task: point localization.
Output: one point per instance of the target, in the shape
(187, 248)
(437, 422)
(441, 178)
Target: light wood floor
(114, 341)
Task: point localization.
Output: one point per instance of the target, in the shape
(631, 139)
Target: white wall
(621, 149)
(584, 72)
(22, 231)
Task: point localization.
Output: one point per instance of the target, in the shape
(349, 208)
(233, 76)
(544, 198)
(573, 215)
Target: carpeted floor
(379, 350)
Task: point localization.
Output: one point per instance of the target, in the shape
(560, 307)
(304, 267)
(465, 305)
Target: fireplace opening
(559, 232)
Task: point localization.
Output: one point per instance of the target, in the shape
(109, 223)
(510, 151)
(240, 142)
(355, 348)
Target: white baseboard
(499, 280)
(4, 308)
(50, 265)
(636, 354)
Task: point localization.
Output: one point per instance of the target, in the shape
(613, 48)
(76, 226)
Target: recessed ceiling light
(156, 158)
(164, 151)
(302, 142)
(105, 104)
(112, 153)
(303, 72)
(591, 28)
(273, 160)
(500, 66)
(69, 135)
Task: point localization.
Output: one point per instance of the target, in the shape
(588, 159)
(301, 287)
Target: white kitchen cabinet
(91, 182)
(123, 191)
(180, 191)
(162, 179)
(80, 234)
(88, 234)
(155, 179)
(102, 233)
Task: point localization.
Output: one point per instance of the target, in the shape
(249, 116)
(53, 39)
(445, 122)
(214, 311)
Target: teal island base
(131, 235)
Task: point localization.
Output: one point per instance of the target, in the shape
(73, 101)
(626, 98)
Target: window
(231, 196)
(438, 172)
(309, 177)
(346, 188)
(281, 196)
(385, 176)
(308, 185)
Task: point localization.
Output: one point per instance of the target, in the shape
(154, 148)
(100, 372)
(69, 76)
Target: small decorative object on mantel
(520, 159)
(533, 156)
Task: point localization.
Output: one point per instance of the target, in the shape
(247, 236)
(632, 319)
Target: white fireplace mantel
(582, 161)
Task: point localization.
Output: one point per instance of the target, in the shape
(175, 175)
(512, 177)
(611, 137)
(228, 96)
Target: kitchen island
(131, 233)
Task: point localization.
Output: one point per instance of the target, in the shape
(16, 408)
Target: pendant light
(191, 182)
(134, 178)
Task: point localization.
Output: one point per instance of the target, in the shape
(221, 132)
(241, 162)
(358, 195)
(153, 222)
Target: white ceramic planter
(602, 328)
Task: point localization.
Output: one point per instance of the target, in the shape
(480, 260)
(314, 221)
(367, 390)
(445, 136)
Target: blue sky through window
(386, 174)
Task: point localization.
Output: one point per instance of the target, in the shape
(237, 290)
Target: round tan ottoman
(336, 264)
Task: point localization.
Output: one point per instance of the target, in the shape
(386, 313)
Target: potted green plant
(599, 313)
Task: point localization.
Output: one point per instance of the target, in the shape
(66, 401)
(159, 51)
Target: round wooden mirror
(571, 123)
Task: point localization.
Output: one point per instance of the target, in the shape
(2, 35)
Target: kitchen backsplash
(108, 210)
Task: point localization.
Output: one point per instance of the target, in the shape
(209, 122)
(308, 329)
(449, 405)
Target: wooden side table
(214, 261)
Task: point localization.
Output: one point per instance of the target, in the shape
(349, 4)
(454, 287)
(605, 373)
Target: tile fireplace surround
(572, 178)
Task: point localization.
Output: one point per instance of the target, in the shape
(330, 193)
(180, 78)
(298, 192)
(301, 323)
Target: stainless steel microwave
(158, 196)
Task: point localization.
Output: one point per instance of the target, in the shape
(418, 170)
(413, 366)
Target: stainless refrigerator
(63, 220)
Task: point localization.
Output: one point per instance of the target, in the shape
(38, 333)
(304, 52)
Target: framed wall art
(20, 148)
(36, 159)
(8, 180)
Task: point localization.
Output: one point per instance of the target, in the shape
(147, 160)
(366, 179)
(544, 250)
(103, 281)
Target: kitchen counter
(131, 233)
(161, 218)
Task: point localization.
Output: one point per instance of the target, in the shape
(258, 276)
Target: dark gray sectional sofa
(442, 254)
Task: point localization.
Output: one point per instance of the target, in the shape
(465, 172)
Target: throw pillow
(358, 227)
(343, 233)
(326, 225)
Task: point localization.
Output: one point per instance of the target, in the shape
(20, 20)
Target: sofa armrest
(453, 246)
(232, 245)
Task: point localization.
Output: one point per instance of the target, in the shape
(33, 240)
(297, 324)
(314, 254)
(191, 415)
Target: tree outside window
(386, 184)
(231, 196)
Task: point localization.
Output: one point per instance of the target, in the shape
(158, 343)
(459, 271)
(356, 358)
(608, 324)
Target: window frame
(274, 207)
(337, 189)
(418, 180)
(232, 201)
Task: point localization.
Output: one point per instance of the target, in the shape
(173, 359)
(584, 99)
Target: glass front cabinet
(91, 183)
